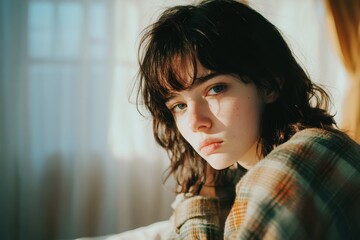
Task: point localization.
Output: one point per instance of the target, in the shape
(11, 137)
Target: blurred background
(76, 157)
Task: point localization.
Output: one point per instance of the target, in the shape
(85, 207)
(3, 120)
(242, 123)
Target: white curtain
(76, 158)
(303, 24)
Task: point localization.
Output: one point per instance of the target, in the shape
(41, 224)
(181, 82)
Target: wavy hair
(230, 37)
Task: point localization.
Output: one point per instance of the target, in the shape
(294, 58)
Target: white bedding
(155, 231)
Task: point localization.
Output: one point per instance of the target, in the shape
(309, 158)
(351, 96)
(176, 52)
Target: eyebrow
(197, 81)
(202, 79)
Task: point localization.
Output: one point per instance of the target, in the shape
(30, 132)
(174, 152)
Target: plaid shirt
(306, 188)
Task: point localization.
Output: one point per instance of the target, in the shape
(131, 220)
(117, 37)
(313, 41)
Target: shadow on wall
(57, 191)
(58, 201)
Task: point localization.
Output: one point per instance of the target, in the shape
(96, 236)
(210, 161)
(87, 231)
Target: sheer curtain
(77, 159)
(344, 27)
(304, 26)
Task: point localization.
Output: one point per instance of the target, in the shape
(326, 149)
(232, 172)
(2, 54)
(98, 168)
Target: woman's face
(219, 115)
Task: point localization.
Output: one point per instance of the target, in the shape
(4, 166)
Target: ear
(270, 96)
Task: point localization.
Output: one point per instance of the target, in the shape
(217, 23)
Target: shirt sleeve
(195, 217)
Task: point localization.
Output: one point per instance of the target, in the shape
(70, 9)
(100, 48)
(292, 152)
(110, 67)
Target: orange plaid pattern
(307, 188)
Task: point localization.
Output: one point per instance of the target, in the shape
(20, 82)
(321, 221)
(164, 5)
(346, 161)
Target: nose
(199, 117)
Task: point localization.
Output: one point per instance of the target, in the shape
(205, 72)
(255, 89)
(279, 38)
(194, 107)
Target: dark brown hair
(226, 37)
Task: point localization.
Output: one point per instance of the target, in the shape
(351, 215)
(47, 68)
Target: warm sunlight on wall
(309, 39)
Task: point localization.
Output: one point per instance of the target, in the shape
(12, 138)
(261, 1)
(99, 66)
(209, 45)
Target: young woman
(252, 145)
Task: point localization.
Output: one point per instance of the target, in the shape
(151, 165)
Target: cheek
(244, 114)
(181, 125)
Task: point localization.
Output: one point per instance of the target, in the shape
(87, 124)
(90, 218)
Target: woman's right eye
(178, 107)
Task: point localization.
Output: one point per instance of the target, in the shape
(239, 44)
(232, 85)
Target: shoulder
(309, 154)
(312, 178)
(318, 140)
(313, 147)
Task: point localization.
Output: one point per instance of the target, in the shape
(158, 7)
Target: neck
(250, 158)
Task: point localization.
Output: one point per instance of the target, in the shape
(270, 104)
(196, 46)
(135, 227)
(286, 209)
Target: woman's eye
(216, 89)
(178, 107)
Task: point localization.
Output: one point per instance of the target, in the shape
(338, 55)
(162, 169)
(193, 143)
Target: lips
(209, 146)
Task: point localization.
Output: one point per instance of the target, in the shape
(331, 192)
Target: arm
(203, 216)
(199, 217)
(196, 217)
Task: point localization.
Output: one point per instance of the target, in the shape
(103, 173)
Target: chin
(219, 164)
(218, 167)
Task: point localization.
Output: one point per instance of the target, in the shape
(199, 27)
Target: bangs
(177, 72)
(174, 49)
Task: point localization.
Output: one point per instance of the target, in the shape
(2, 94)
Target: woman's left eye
(216, 89)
